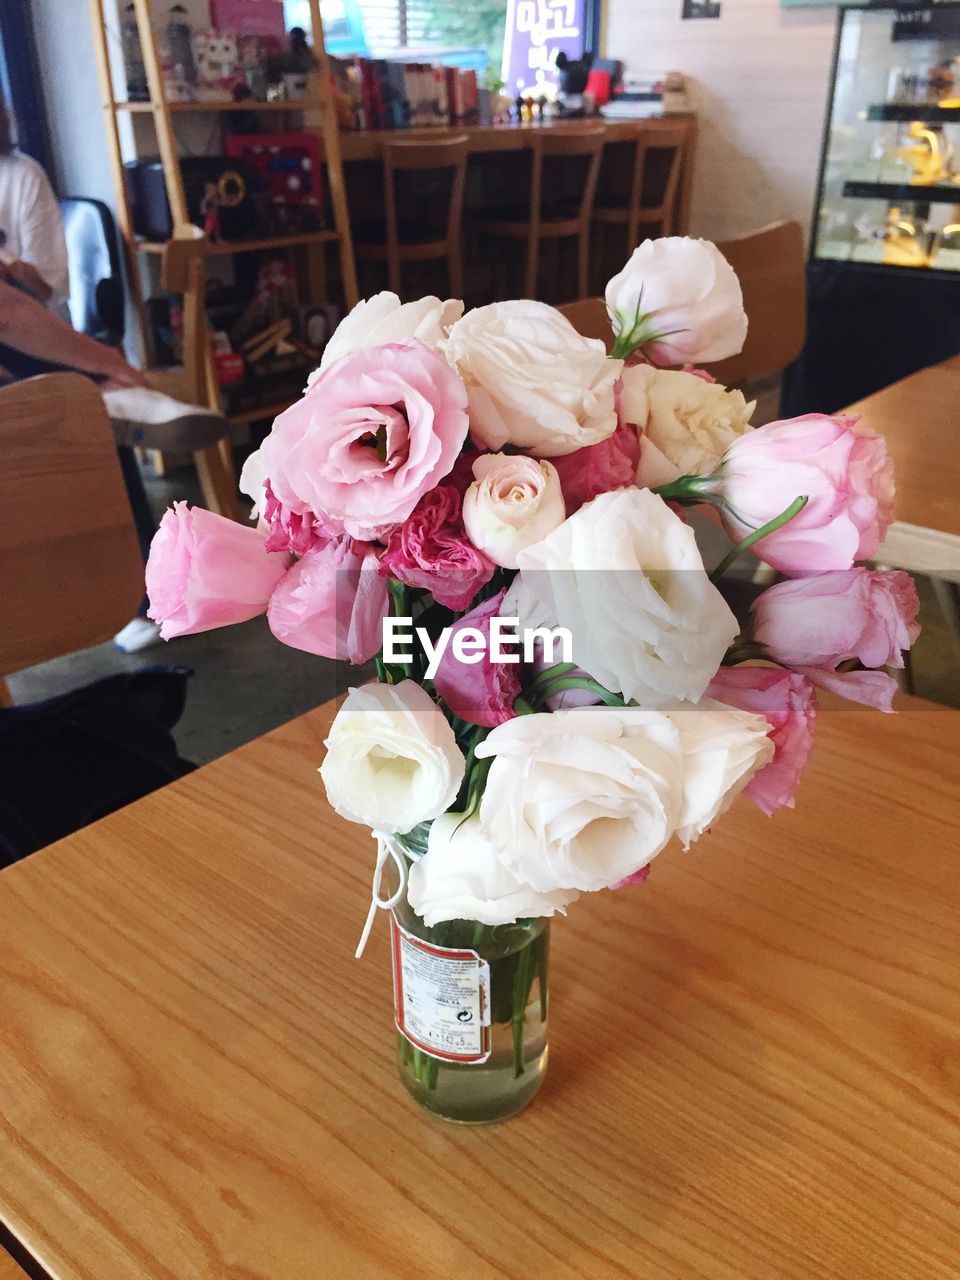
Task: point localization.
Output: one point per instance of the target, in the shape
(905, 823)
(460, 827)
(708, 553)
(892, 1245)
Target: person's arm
(28, 327)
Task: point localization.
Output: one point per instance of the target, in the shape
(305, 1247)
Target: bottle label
(441, 998)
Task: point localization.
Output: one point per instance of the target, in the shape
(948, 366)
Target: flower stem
(795, 507)
(549, 673)
(583, 682)
(521, 991)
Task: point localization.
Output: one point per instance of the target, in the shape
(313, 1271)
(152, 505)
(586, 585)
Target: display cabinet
(883, 279)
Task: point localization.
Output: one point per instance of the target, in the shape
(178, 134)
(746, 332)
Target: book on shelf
(386, 93)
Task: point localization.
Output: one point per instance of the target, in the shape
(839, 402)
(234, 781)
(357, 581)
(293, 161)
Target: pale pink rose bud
(332, 603)
(678, 301)
(839, 466)
(205, 571)
(788, 703)
(513, 503)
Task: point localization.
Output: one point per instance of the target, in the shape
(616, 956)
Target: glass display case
(883, 277)
(889, 191)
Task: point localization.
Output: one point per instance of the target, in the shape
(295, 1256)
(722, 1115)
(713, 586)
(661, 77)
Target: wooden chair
(406, 234)
(71, 573)
(638, 184)
(589, 316)
(550, 219)
(771, 267)
(206, 437)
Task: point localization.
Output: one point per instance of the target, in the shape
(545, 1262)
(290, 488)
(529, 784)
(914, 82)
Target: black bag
(72, 759)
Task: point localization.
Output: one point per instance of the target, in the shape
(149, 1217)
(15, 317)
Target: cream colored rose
(392, 759)
(692, 421)
(723, 747)
(461, 878)
(384, 318)
(625, 576)
(513, 502)
(532, 380)
(581, 798)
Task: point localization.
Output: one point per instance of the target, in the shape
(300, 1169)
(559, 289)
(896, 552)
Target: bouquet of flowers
(493, 510)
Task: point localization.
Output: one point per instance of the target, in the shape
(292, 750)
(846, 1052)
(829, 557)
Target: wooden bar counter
(367, 145)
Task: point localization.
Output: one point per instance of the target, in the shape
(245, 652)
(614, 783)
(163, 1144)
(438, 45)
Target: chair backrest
(71, 573)
(589, 316)
(96, 282)
(425, 157)
(565, 145)
(771, 267)
(642, 174)
(183, 270)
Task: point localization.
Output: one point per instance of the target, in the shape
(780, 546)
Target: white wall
(759, 81)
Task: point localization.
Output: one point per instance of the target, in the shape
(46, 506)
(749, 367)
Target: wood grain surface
(754, 1070)
(9, 1269)
(920, 418)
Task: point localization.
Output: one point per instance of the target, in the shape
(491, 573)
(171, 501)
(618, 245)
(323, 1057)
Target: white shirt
(31, 221)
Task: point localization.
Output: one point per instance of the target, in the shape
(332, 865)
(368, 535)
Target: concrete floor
(247, 683)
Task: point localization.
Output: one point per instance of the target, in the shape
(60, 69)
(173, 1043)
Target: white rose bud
(392, 759)
(532, 380)
(677, 300)
(384, 318)
(513, 502)
(461, 878)
(624, 575)
(581, 798)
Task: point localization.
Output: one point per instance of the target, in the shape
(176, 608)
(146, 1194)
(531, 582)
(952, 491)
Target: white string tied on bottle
(387, 847)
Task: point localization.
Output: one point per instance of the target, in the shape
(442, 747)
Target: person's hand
(27, 277)
(117, 371)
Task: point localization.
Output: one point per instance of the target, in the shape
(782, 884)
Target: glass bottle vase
(509, 1050)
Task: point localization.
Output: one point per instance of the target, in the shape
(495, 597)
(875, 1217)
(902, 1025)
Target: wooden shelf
(926, 112)
(248, 246)
(915, 192)
(262, 411)
(245, 104)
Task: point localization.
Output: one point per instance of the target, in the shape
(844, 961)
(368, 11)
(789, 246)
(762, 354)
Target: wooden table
(492, 138)
(920, 418)
(754, 1069)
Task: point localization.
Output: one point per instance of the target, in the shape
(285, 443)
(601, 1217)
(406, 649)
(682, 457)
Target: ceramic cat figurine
(217, 61)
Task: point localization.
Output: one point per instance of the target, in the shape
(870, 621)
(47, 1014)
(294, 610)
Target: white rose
(532, 380)
(513, 502)
(384, 318)
(723, 748)
(691, 421)
(678, 300)
(624, 575)
(461, 878)
(581, 798)
(392, 759)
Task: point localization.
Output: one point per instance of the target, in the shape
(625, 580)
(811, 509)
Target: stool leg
(455, 267)
(532, 269)
(583, 262)
(217, 481)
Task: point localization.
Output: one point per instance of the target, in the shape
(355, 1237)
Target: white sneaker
(139, 634)
(153, 420)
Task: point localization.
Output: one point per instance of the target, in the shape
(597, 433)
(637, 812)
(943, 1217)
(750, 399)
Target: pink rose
(831, 618)
(598, 468)
(482, 692)
(785, 699)
(372, 435)
(332, 603)
(430, 550)
(205, 571)
(298, 532)
(841, 467)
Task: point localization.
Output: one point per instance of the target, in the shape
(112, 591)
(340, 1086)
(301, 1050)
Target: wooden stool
(552, 219)
(641, 195)
(399, 239)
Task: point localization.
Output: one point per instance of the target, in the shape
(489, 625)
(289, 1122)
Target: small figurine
(210, 208)
(217, 61)
(573, 81)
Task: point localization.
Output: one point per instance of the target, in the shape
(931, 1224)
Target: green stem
(541, 959)
(521, 993)
(583, 682)
(549, 673)
(522, 707)
(685, 489)
(795, 507)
